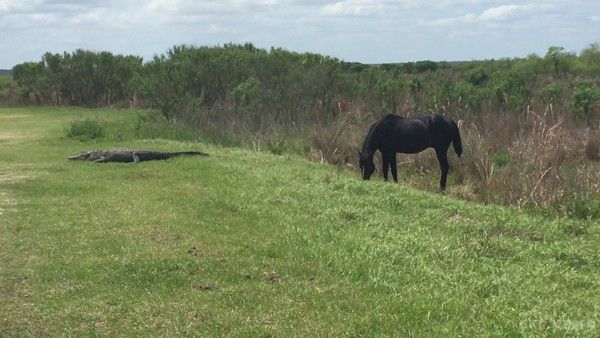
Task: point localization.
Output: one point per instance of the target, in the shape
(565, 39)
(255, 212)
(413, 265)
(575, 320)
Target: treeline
(530, 126)
(249, 83)
(245, 81)
(81, 78)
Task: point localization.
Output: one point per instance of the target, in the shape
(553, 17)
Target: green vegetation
(584, 99)
(281, 87)
(85, 129)
(9, 90)
(501, 159)
(541, 113)
(254, 244)
(79, 78)
(585, 208)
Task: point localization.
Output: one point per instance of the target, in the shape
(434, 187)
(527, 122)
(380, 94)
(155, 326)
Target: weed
(500, 159)
(584, 208)
(592, 146)
(85, 130)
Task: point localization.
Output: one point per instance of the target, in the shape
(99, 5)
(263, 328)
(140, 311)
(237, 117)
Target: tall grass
(84, 130)
(542, 160)
(530, 125)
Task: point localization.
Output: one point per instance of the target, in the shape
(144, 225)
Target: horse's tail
(456, 142)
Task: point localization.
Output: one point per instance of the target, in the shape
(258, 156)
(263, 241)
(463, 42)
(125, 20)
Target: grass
(85, 130)
(246, 243)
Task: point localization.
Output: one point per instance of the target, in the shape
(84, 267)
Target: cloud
(493, 14)
(355, 30)
(11, 5)
(501, 12)
(351, 7)
(212, 6)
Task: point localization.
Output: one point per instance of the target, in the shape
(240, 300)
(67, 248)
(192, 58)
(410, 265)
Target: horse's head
(367, 167)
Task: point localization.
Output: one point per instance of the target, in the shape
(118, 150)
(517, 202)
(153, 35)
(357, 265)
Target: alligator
(129, 155)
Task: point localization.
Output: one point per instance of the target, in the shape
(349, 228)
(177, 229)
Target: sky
(366, 31)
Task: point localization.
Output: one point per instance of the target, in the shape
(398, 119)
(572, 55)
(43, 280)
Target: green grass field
(252, 244)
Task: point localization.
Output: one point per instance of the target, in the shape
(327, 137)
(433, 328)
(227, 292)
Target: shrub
(477, 76)
(84, 130)
(583, 100)
(513, 91)
(9, 91)
(559, 60)
(423, 66)
(584, 208)
(500, 159)
(245, 92)
(551, 93)
(589, 60)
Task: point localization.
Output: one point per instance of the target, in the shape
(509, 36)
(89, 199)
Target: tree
(559, 60)
(583, 101)
(589, 60)
(31, 77)
(423, 66)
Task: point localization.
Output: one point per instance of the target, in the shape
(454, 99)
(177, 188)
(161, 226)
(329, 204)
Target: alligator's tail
(152, 155)
(456, 142)
(190, 153)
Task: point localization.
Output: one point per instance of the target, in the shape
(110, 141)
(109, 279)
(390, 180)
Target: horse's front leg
(386, 163)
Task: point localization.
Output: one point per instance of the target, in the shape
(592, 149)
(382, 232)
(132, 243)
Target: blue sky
(366, 31)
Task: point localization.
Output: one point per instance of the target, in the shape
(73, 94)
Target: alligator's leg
(100, 160)
(136, 159)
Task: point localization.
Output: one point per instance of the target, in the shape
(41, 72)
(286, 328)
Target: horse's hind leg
(394, 167)
(442, 156)
(386, 162)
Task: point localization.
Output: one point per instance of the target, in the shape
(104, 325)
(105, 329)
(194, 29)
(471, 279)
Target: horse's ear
(359, 154)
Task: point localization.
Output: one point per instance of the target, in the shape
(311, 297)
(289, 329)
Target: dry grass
(592, 146)
(540, 159)
(536, 159)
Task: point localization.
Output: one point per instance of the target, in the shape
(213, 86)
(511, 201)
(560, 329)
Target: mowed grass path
(245, 244)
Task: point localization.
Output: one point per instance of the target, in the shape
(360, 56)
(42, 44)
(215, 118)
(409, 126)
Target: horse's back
(403, 135)
(441, 128)
(413, 135)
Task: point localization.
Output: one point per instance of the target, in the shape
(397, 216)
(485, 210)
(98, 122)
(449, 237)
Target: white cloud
(378, 7)
(354, 30)
(351, 7)
(12, 5)
(210, 6)
(160, 5)
(500, 12)
(493, 14)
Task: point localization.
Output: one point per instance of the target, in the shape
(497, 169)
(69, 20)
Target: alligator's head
(85, 156)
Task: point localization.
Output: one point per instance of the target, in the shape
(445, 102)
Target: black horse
(395, 134)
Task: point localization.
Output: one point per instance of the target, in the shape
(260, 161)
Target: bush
(9, 91)
(589, 60)
(477, 76)
(583, 100)
(500, 159)
(423, 66)
(551, 93)
(84, 130)
(584, 208)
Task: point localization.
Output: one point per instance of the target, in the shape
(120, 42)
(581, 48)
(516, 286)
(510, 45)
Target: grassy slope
(250, 243)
